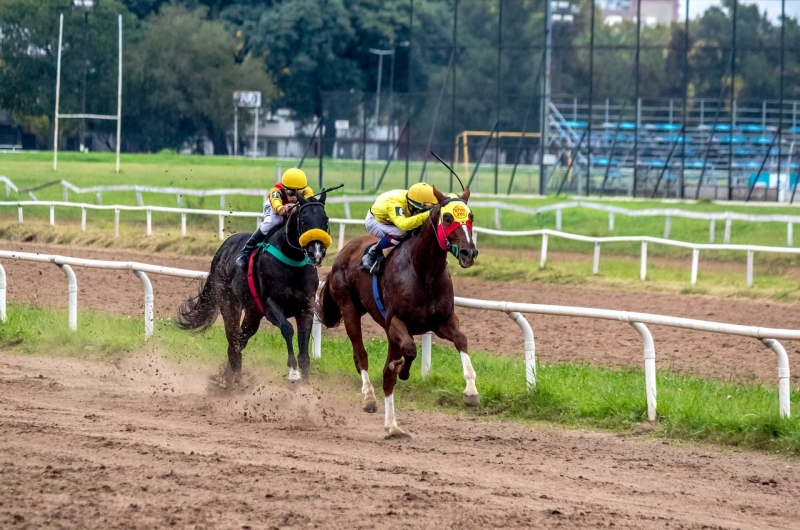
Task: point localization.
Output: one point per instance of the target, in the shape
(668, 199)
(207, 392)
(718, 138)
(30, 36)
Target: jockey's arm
(307, 192)
(275, 198)
(406, 223)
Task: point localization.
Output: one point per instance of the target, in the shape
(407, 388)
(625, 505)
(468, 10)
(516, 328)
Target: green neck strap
(280, 256)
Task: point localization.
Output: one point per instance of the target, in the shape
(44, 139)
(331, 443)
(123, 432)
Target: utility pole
(380, 54)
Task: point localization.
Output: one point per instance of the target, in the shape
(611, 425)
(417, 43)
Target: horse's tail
(199, 312)
(327, 310)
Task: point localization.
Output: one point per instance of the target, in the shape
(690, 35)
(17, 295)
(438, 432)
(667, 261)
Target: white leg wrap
(294, 375)
(390, 422)
(366, 386)
(469, 375)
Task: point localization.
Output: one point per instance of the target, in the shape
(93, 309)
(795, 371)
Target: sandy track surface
(145, 444)
(557, 338)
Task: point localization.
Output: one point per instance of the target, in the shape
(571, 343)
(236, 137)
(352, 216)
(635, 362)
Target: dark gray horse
(283, 273)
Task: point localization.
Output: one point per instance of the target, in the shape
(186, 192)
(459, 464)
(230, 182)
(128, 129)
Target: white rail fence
(498, 206)
(768, 336)
(544, 233)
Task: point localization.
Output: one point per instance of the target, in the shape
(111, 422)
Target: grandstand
(735, 147)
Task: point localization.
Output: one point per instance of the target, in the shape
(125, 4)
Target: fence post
(99, 198)
(711, 228)
(65, 193)
(784, 389)
(425, 367)
(497, 218)
(530, 349)
(610, 221)
(749, 268)
(179, 199)
(116, 222)
(341, 236)
(148, 303)
(19, 213)
(139, 199)
(222, 202)
(183, 224)
(149, 222)
(72, 289)
(221, 227)
(789, 234)
(316, 338)
(643, 265)
(596, 261)
(649, 368)
(667, 226)
(347, 210)
(558, 219)
(727, 238)
(543, 257)
(52, 215)
(83, 219)
(2, 294)
(695, 259)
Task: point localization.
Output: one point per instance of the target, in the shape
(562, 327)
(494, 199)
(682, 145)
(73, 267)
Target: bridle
(299, 209)
(442, 233)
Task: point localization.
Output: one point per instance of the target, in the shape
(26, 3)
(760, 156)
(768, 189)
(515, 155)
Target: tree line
(183, 59)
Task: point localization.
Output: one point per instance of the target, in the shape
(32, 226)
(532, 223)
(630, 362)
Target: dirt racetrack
(143, 444)
(557, 338)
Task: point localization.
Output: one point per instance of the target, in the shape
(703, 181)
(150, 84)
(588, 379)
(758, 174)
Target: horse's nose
(469, 253)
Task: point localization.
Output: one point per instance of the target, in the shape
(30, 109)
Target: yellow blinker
(459, 210)
(315, 234)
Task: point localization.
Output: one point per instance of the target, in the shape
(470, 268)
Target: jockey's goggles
(291, 192)
(420, 205)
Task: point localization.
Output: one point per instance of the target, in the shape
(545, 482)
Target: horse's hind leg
(250, 324)
(352, 324)
(231, 316)
(276, 317)
(450, 331)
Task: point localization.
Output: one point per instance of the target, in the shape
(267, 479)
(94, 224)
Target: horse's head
(309, 222)
(452, 223)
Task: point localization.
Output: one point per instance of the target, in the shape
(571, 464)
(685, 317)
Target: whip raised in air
(449, 169)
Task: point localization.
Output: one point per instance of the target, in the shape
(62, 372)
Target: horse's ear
(322, 198)
(440, 197)
(465, 194)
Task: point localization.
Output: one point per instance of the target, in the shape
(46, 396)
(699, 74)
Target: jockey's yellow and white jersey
(278, 196)
(392, 208)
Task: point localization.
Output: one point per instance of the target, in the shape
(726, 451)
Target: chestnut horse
(416, 293)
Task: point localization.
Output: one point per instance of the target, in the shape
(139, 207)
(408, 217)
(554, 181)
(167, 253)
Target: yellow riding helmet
(421, 196)
(294, 178)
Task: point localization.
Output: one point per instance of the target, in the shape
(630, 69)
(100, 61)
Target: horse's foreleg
(402, 351)
(276, 317)
(352, 324)
(304, 322)
(450, 331)
(394, 364)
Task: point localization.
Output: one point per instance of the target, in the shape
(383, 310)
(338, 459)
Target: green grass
(690, 408)
(31, 169)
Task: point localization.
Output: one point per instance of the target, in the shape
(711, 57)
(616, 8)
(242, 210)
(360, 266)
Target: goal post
(112, 117)
(462, 143)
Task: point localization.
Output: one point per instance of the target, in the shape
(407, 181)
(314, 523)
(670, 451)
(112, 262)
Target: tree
(181, 79)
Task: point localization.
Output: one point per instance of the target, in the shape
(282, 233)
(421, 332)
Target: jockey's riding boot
(372, 259)
(249, 247)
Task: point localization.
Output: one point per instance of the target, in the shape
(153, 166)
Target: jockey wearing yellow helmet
(395, 214)
(282, 198)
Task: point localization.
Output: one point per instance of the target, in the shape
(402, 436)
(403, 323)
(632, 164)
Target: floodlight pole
(58, 91)
(119, 90)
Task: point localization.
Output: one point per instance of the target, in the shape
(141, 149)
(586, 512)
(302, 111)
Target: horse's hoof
(396, 433)
(294, 375)
(370, 406)
(472, 401)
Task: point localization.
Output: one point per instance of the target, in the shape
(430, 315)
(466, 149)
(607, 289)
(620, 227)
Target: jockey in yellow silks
(282, 198)
(392, 217)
